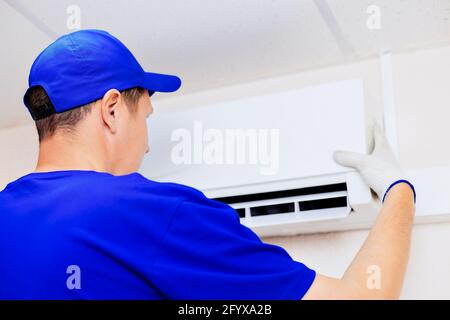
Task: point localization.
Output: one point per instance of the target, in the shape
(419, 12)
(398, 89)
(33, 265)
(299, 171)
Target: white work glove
(379, 169)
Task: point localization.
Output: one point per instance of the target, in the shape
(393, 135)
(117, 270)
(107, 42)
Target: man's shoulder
(127, 204)
(169, 189)
(136, 187)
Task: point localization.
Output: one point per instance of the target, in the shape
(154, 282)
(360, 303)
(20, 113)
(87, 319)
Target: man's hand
(379, 169)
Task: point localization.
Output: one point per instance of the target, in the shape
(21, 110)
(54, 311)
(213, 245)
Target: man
(85, 225)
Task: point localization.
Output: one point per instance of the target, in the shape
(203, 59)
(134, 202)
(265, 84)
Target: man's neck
(57, 154)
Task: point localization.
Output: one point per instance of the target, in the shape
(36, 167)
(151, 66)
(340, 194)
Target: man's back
(50, 222)
(90, 235)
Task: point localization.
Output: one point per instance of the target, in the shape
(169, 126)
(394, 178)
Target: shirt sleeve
(207, 253)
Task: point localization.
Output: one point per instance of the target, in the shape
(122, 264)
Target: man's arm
(386, 249)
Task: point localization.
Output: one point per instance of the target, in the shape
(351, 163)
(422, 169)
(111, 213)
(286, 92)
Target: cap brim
(157, 82)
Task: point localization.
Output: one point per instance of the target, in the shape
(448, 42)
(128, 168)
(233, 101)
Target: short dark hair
(67, 120)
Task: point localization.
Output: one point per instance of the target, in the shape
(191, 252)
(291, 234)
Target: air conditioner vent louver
(323, 204)
(241, 212)
(298, 201)
(284, 193)
(272, 209)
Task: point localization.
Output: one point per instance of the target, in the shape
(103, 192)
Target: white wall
(422, 83)
(19, 146)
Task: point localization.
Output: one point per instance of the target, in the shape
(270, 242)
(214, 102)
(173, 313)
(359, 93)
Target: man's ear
(109, 107)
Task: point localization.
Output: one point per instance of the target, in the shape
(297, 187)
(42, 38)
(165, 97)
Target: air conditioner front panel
(311, 123)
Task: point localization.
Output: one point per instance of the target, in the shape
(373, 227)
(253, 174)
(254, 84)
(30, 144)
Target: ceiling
(217, 43)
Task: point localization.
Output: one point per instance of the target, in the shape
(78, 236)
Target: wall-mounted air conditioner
(269, 156)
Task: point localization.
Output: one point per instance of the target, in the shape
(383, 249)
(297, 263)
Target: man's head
(116, 124)
(87, 91)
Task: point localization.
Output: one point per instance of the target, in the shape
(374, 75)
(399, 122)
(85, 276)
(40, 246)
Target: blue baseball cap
(80, 67)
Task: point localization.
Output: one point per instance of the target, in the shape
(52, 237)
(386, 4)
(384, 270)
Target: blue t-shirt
(88, 235)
